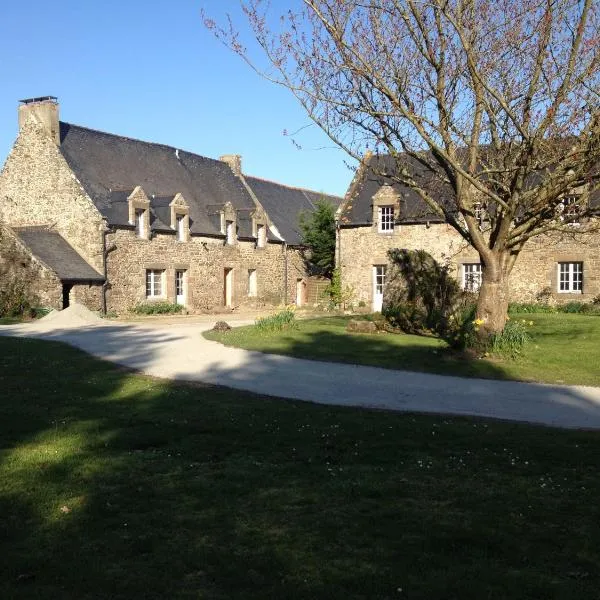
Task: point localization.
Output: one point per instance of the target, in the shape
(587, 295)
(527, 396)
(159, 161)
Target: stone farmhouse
(112, 222)
(378, 215)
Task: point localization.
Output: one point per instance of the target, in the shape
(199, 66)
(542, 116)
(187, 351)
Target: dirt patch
(74, 316)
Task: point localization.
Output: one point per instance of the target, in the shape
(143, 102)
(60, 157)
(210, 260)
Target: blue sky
(150, 70)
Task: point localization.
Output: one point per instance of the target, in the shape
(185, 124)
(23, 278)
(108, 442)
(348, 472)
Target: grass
(114, 485)
(565, 348)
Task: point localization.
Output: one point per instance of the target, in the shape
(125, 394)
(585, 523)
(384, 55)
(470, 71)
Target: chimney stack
(43, 110)
(234, 161)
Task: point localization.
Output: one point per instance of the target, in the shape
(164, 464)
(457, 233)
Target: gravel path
(179, 351)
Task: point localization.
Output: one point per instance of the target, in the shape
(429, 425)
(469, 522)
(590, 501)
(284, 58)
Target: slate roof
(358, 209)
(284, 204)
(110, 167)
(56, 253)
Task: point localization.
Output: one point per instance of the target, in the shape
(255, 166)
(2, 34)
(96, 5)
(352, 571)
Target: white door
(180, 287)
(228, 287)
(378, 284)
(300, 292)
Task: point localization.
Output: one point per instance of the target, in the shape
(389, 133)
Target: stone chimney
(234, 161)
(44, 111)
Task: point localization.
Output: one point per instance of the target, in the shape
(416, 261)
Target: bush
(157, 308)
(513, 339)
(589, 308)
(284, 319)
(16, 300)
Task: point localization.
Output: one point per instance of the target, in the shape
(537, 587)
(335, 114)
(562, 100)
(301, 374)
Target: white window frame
(155, 283)
(180, 277)
(385, 218)
(261, 235)
(230, 231)
(140, 222)
(180, 226)
(380, 276)
(570, 277)
(252, 283)
(471, 277)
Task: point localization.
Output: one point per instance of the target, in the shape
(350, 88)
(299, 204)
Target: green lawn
(114, 485)
(565, 349)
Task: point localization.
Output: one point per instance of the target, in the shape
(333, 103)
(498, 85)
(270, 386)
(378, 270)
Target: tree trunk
(492, 305)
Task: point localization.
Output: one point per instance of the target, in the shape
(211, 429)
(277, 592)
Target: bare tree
(496, 100)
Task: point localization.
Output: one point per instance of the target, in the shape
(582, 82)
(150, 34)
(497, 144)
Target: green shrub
(284, 319)
(513, 339)
(157, 308)
(16, 300)
(571, 307)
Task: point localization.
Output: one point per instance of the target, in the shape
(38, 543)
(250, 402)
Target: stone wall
(37, 187)
(534, 275)
(41, 285)
(204, 261)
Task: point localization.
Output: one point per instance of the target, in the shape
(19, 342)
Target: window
(571, 207)
(379, 279)
(229, 231)
(140, 222)
(180, 227)
(180, 287)
(154, 283)
(570, 277)
(252, 283)
(471, 277)
(261, 236)
(386, 219)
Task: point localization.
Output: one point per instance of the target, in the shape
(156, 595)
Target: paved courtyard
(175, 348)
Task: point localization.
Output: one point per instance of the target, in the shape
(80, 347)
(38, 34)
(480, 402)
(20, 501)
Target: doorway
(180, 287)
(379, 272)
(300, 292)
(228, 287)
(66, 295)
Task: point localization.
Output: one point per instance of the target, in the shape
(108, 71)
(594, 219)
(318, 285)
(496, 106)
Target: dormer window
(140, 222)
(180, 227)
(261, 235)
(571, 207)
(139, 212)
(229, 232)
(386, 209)
(180, 220)
(386, 219)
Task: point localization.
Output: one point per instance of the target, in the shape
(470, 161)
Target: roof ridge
(138, 140)
(291, 187)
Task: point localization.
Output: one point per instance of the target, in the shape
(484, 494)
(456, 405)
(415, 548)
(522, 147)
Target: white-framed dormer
(229, 223)
(139, 212)
(386, 209)
(259, 227)
(180, 217)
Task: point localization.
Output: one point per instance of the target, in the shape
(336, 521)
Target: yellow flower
(478, 322)
(530, 323)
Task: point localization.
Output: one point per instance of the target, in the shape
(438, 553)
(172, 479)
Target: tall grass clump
(284, 319)
(513, 339)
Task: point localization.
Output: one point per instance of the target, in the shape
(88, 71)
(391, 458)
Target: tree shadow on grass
(119, 486)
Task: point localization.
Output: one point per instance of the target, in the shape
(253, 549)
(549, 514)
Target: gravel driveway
(177, 350)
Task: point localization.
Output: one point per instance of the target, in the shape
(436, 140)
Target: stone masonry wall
(17, 264)
(535, 272)
(37, 187)
(204, 261)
